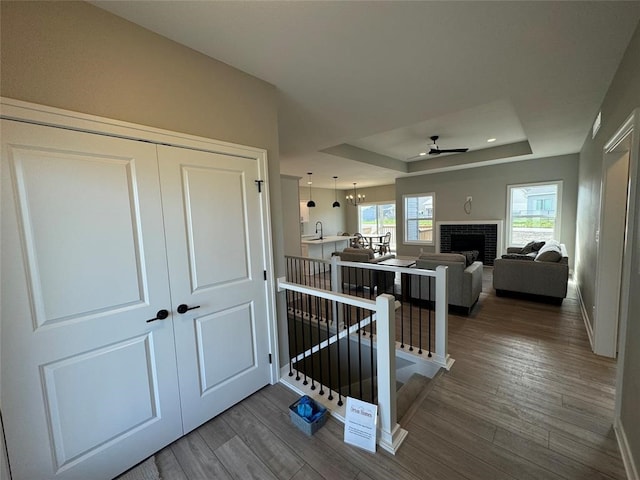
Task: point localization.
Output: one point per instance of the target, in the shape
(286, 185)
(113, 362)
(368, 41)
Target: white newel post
(442, 305)
(390, 434)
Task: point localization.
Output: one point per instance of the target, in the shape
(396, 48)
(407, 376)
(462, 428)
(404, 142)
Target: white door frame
(612, 232)
(43, 115)
(629, 131)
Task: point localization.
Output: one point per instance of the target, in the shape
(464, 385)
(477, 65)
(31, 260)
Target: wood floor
(525, 399)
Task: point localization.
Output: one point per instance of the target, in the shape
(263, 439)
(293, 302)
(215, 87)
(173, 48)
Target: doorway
(611, 238)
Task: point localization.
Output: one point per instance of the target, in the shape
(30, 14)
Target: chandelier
(355, 198)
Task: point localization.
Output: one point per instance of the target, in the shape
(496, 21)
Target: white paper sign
(360, 424)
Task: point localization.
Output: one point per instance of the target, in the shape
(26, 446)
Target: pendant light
(310, 203)
(336, 204)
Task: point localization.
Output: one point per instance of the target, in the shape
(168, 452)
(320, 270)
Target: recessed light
(422, 154)
(491, 140)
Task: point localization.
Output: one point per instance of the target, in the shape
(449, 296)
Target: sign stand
(360, 424)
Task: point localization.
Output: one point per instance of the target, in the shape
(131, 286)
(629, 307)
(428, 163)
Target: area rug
(146, 470)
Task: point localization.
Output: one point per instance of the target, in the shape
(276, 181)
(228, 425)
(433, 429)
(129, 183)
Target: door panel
(84, 420)
(213, 230)
(217, 337)
(214, 250)
(60, 232)
(83, 268)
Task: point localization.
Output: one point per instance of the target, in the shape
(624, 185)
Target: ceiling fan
(435, 150)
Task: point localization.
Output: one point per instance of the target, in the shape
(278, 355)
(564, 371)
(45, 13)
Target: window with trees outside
(533, 212)
(418, 218)
(378, 219)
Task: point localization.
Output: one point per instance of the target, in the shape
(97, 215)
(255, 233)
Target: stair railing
(323, 321)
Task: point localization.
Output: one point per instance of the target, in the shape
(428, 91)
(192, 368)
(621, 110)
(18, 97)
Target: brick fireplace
(482, 235)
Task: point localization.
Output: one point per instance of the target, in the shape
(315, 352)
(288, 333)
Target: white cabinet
(103, 240)
(304, 212)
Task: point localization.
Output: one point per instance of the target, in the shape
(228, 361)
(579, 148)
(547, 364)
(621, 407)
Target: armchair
(464, 283)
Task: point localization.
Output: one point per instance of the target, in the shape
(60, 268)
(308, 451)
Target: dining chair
(384, 246)
(357, 242)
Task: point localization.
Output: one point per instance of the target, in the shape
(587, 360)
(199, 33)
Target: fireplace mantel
(474, 224)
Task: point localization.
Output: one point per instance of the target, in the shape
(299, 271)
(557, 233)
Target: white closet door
(215, 253)
(89, 388)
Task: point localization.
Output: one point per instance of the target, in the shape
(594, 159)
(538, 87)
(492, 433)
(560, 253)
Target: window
(418, 218)
(533, 212)
(378, 219)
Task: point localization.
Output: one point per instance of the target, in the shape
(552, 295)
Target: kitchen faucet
(319, 222)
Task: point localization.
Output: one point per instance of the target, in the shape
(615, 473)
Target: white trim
(585, 316)
(625, 451)
(405, 219)
(632, 242)
(499, 229)
(43, 115)
(557, 229)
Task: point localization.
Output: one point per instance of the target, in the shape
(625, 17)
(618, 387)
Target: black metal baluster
(411, 318)
(341, 305)
(359, 318)
(431, 306)
(348, 337)
(304, 348)
(290, 323)
(403, 298)
(330, 319)
(310, 355)
(420, 308)
(373, 376)
(317, 342)
(290, 315)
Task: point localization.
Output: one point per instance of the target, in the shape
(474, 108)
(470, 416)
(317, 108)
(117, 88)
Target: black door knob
(183, 308)
(161, 315)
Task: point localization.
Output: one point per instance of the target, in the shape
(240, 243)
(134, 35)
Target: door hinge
(259, 184)
(270, 359)
(265, 275)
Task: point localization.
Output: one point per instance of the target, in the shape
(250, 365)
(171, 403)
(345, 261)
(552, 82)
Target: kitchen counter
(327, 239)
(323, 248)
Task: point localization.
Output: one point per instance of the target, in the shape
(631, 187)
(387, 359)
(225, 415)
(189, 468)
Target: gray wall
(621, 98)
(333, 219)
(290, 214)
(75, 56)
(488, 187)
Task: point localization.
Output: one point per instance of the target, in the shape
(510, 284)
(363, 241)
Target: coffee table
(398, 262)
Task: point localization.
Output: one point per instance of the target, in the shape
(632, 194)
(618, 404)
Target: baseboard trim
(585, 317)
(625, 451)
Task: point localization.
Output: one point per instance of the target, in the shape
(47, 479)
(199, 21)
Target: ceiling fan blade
(453, 150)
(435, 151)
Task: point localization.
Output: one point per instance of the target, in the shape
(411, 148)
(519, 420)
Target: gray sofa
(542, 275)
(362, 277)
(464, 283)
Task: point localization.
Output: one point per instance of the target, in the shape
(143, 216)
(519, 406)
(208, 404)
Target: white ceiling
(374, 80)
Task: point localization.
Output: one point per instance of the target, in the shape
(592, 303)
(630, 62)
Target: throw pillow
(551, 252)
(517, 256)
(469, 255)
(532, 246)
